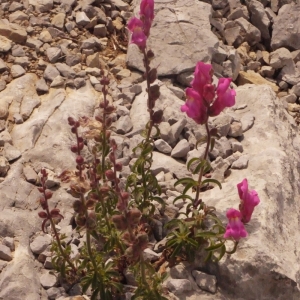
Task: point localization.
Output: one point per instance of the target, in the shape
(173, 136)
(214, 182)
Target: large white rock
(180, 36)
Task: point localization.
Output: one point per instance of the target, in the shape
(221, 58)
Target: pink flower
(235, 228)
(206, 104)
(194, 106)
(202, 76)
(147, 14)
(225, 98)
(249, 199)
(139, 38)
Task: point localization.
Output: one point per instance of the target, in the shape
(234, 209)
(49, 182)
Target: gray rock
(53, 54)
(18, 119)
(163, 146)
(73, 59)
(236, 129)
(247, 121)
(123, 125)
(5, 44)
(223, 146)
(2, 85)
(241, 163)
(17, 71)
(177, 128)
(42, 5)
(173, 31)
(41, 86)
(48, 280)
(291, 98)
(58, 81)
(222, 123)
(219, 166)
(181, 149)
(236, 145)
(100, 30)
(9, 242)
(13, 32)
(65, 70)
(179, 286)
(58, 20)
(280, 57)
(5, 253)
(45, 36)
(30, 174)
(82, 19)
(5, 137)
(286, 28)
(166, 132)
(40, 244)
(50, 72)
(4, 166)
(79, 82)
(55, 293)
(10, 152)
(205, 281)
(259, 18)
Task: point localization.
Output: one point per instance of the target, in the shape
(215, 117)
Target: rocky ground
(51, 56)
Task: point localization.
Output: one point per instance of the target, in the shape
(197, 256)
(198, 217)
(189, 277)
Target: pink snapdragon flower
(235, 228)
(147, 14)
(206, 104)
(140, 28)
(249, 199)
(138, 37)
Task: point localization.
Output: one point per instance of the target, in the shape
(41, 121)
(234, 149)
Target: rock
(179, 286)
(241, 163)
(123, 125)
(9, 242)
(286, 28)
(5, 138)
(58, 81)
(42, 5)
(10, 152)
(18, 17)
(236, 146)
(279, 58)
(165, 132)
(172, 32)
(41, 86)
(53, 54)
(205, 281)
(252, 77)
(45, 36)
(30, 174)
(163, 146)
(259, 18)
(267, 71)
(181, 149)
(73, 59)
(59, 20)
(219, 166)
(236, 129)
(4, 166)
(50, 72)
(40, 244)
(17, 71)
(247, 121)
(222, 123)
(100, 30)
(5, 253)
(2, 85)
(5, 44)
(48, 280)
(291, 98)
(82, 19)
(65, 70)
(14, 32)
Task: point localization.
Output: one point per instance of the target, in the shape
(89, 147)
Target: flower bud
(71, 121)
(125, 196)
(48, 194)
(80, 145)
(78, 207)
(104, 189)
(43, 203)
(104, 81)
(79, 160)
(108, 133)
(111, 157)
(74, 130)
(118, 167)
(80, 220)
(43, 215)
(41, 189)
(110, 175)
(110, 109)
(90, 203)
(74, 149)
(150, 54)
(157, 116)
(152, 76)
(120, 222)
(80, 139)
(77, 124)
(108, 121)
(134, 216)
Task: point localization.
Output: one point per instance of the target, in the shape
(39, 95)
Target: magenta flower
(235, 228)
(139, 38)
(205, 93)
(194, 106)
(202, 76)
(249, 199)
(147, 14)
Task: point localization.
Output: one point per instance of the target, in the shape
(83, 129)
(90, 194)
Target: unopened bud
(80, 145)
(120, 222)
(48, 194)
(43, 215)
(108, 121)
(74, 149)
(80, 220)
(150, 54)
(134, 216)
(110, 175)
(79, 160)
(157, 116)
(43, 203)
(111, 157)
(78, 207)
(118, 167)
(71, 121)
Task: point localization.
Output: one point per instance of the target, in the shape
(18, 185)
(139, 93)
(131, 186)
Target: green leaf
(186, 180)
(206, 234)
(210, 180)
(182, 197)
(192, 161)
(214, 247)
(201, 141)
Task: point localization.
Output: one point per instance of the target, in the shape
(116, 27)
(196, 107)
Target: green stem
(143, 271)
(202, 168)
(234, 248)
(66, 258)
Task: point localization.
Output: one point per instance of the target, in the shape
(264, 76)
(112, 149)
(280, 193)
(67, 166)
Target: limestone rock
(178, 31)
(14, 32)
(5, 44)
